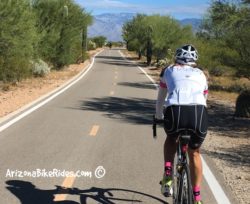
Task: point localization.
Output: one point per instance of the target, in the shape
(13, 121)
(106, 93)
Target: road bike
(182, 187)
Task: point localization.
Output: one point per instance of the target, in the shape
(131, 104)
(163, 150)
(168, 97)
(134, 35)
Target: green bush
(39, 29)
(99, 41)
(62, 24)
(18, 39)
(225, 29)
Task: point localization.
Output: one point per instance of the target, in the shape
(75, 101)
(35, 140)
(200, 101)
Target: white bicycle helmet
(186, 54)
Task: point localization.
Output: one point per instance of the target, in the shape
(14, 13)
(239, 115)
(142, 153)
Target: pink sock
(168, 168)
(197, 193)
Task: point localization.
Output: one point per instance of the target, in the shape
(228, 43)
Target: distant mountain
(194, 22)
(110, 25)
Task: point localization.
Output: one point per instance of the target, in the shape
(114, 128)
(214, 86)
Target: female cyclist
(183, 91)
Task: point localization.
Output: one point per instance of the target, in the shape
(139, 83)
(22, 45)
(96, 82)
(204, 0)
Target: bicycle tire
(185, 194)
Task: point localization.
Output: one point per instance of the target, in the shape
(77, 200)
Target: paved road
(103, 120)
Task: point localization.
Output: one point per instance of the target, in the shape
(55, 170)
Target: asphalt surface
(103, 120)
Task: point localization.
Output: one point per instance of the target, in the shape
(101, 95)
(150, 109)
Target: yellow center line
(67, 183)
(112, 93)
(94, 130)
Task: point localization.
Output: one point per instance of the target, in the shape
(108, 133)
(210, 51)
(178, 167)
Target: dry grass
(223, 96)
(228, 81)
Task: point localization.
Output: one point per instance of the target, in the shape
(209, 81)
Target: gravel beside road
(228, 145)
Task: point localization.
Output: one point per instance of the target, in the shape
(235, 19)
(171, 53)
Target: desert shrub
(162, 63)
(216, 71)
(237, 88)
(243, 104)
(91, 45)
(40, 68)
(216, 87)
(243, 72)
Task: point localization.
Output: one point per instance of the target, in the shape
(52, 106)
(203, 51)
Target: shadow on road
(133, 110)
(144, 85)
(118, 63)
(27, 193)
(119, 58)
(109, 57)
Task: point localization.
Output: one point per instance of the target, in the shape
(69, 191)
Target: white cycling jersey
(186, 85)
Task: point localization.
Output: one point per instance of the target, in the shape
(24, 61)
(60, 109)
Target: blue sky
(176, 8)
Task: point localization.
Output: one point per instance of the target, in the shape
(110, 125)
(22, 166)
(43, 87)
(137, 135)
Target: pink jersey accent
(163, 85)
(206, 92)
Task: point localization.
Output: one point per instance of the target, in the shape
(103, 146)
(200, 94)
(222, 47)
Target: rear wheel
(184, 188)
(176, 179)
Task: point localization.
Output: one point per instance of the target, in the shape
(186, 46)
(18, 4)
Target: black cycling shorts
(187, 117)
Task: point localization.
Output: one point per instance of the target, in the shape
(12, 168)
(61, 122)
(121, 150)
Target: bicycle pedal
(168, 193)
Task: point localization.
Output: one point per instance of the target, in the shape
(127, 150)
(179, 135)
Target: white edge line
(150, 78)
(80, 76)
(215, 187)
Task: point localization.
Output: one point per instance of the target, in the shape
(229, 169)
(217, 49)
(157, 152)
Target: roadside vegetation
(223, 42)
(37, 35)
(96, 42)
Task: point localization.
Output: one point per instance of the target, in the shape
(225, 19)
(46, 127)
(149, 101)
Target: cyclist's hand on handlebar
(158, 119)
